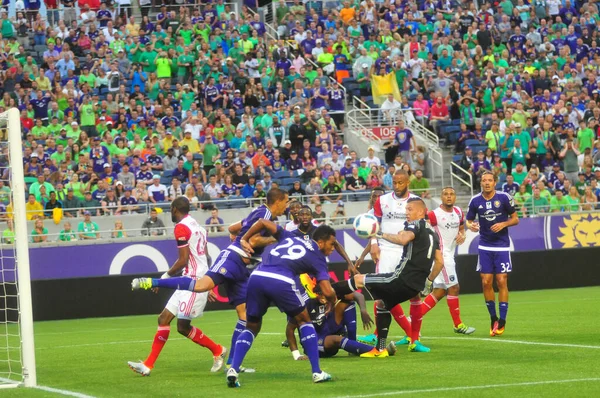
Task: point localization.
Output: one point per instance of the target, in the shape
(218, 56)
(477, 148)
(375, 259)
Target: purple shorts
(265, 288)
(494, 262)
(230, 271)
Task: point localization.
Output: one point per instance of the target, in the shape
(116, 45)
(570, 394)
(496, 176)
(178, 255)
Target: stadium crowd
(121, 115)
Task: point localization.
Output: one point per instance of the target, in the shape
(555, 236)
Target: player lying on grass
(275, 281)
(448, 222)
(336, 328)
(193, 260)
(231, 268)
(421, 263)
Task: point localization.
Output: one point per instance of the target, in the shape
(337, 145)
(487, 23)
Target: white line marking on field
(443, 389)
(63, 392)
(501, 340)
(54, 390)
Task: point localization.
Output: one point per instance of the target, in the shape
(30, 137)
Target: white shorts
(447, 276)
(187, 305)
(389, 259)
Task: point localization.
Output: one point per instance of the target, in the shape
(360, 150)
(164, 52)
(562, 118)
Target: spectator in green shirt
(88, 229)
(420, 185)
(210, 153)
(558, 203)
(67, 234)
(39, 233)
(539, 203)
(8, 235)
(34, 189)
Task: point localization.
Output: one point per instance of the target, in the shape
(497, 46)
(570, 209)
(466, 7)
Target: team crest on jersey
(223, 270)
(488, 205)
(401, 137)
(452, 278)
(496, 203)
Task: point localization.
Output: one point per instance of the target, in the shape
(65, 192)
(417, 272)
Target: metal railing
(460, 177)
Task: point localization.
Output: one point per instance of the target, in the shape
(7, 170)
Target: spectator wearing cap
(294, 163)
(518, 154)
(108, 174)
(126, 176)
(480, 166)
(99, 155)
(247, 191)
(157, 192)
(144, 174)
(339, 214)
(88, 229)
(371, 159)
(110, 203)
(153, 226)
(128, 202)
(287, 150)
(296, 190)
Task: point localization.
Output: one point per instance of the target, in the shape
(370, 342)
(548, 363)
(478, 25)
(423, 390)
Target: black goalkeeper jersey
(418, 255)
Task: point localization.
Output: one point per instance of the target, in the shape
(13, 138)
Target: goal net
(17, 356)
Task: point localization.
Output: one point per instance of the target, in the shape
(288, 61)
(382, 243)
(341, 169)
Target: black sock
(344, 287)
(501, 322)
(383, 321)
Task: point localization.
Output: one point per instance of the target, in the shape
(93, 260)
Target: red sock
(200, 338)
(428, 304)
(401, 319)
(454, 309)
(416, 317)
(160, 338)
(375, 315)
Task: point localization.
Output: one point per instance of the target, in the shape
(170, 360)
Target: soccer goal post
(17, 350)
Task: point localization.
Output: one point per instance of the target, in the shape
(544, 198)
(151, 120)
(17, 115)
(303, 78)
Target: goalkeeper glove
(428, 288)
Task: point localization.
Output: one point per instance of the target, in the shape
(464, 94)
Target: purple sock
(179, 283)
(503, 309)
(242, 346)
(240, 326)
(350, 321)
(491, 306)
(354, 347)
(308, 338)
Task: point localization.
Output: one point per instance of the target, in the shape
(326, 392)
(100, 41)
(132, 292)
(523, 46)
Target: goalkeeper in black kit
(421, 262)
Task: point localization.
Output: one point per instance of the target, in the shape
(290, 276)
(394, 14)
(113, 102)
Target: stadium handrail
(454, 175)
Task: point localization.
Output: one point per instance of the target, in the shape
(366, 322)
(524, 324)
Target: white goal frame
(13, 124)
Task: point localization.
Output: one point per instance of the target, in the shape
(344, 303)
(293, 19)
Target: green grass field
(550, 348)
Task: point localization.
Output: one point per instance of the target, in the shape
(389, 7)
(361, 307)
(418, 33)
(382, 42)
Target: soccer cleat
(321, 377)
(391, 348)
(501, 325)
(218, 361)
(494, 329)
(464, 329)
(141, 283)
(232, 378)
(139, 367)
(285, 344)
(404, 341)
(370, 339)
(242, 369)
(375, 353)
(418, 347)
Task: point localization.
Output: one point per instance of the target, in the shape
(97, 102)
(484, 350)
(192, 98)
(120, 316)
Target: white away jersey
(189, 233)
(392, 212)
(447, 225)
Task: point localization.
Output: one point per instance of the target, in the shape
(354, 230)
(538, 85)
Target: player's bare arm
(256, 228)
(438, 265)
(461, 236)
(401, 238)
(340, 249)
(180, 263)
(366, 319)
(291, 338)
(472, 225)
(328, 292)
(261, 241)
(512, 221)
(234, 230)
(360, 260)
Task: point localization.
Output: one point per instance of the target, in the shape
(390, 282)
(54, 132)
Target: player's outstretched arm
(328, 291)
(340, 249)
(234, 229)
(366, 319)
(290, 335)
(401, 238)
(261, 241)
(256, 228)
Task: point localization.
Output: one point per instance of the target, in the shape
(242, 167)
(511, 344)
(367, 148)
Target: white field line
(66, 393)
(465, 388)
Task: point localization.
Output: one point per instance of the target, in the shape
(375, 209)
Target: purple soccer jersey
(275, 280)
(494, 247)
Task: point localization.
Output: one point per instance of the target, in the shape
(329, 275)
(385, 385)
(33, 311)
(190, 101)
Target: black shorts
(389, 288)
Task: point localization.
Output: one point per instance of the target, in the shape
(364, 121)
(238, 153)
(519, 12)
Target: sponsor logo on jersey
(488, 205)
(490, 215)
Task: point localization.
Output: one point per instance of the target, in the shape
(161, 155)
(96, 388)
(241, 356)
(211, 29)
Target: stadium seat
(456, 122)
(456, 158)
(472, 143)
(281, 174)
